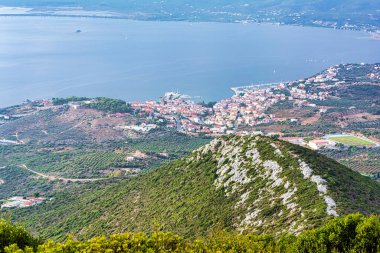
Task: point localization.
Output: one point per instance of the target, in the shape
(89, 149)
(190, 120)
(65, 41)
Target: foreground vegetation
(353, 233)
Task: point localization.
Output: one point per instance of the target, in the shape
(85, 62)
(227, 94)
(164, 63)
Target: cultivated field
(352, 141)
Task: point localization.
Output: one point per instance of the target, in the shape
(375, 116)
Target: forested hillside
(247, 184)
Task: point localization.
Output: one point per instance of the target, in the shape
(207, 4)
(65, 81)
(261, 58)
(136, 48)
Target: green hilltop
(250, 184)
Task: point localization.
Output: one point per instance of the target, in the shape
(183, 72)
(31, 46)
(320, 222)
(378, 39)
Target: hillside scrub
(110, 105)
(63, 101)
(249, 184)
(352, 233)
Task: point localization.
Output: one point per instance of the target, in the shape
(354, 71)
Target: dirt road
(52, 178)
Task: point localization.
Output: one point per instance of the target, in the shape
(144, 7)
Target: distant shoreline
(96, 14)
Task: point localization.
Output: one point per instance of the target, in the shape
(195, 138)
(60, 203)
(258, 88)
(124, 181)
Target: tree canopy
(352, 233)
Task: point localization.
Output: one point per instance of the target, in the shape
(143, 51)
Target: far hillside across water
(341, 14)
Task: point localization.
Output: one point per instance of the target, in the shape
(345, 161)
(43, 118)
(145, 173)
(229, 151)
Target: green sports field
(352, 141)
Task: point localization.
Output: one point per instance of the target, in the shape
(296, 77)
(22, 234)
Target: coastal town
(247, 108)
(250, 106)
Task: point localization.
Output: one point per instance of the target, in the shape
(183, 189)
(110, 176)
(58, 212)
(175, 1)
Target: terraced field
(46, 168)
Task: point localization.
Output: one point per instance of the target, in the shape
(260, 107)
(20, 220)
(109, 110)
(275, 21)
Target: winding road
(52, 178)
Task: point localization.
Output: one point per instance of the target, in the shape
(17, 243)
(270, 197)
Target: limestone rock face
(274, 184)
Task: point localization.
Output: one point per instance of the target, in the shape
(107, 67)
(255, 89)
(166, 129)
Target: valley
(54, 167)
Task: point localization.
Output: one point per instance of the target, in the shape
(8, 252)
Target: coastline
(239, 89)
(79, 12)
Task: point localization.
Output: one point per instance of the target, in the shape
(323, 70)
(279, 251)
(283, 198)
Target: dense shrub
(353, 233)
(15, 234)
(62, 101)
(110, 105)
